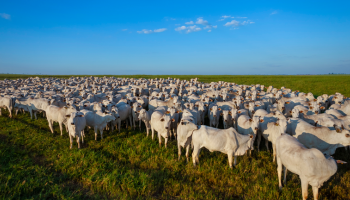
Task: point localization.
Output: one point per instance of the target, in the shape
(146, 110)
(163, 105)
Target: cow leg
(230, 157)
(152, 133)
(50, 125)
(140, 125)
(315, 191)
(274, 152)
(267, 144)
(82, 136)
(71, 141)
(112, 126)
(60, 123)
(134, 123)
(31, 113)
(95, 129)
(279, 172)
(0, 112)
(10, 111)
(147, 129)
(66, 125)
(285, 176)
(166, 141)
(35, 115)
(101, 132)
(187, 151)
(78, 141)
(178, 151)
(16, 109)
(130, 121)
(160, 139)
(119, 124)
(175, 132)
(235, 161)
(304, 186)
(194, 154)
(258, 140)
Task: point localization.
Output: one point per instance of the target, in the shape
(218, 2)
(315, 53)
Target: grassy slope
(36, 164)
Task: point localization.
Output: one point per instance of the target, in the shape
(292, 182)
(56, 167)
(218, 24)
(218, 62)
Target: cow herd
(304, 131)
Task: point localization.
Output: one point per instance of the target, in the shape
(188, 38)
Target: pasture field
(36, 164)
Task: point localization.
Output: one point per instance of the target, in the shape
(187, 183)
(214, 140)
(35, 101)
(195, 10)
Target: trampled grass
(36, 164)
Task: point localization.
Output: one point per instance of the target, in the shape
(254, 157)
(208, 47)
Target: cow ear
(277, 124)
(251, 136)
(173, 120)
(221, 114)
(261, 120)
(239, 112)
(67, 115)
(322, 107)
(81, 115)
(290, 111)
(287, 102)
(301, 111)
(311, 107)
(219, 109)
(210, 109)
(250, 120)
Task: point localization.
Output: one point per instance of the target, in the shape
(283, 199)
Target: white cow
(214, 113)
(322, 138)
(57, 114)
(97, 120)
(271, 131)
(227, 141)
(160, 122)
(76, 124)
(310, 164)
(7, 102)
(185, 128)
(146, 118)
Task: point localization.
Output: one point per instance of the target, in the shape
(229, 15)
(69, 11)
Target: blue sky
(174, 37)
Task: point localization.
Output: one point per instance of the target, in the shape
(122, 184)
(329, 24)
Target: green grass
(36, 164)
